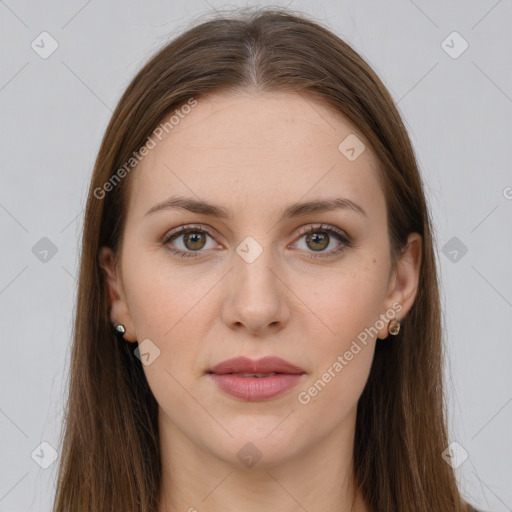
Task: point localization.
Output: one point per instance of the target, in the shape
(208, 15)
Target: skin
(255, 153)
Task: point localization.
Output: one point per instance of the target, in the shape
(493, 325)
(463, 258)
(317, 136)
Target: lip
(253, 389)
(263, 365)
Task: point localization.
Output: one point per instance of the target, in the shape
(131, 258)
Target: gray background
(55, 110)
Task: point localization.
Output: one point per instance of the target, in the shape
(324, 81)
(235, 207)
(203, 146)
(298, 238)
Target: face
(313, 287)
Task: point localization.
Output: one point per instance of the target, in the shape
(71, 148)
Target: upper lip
(264, 365)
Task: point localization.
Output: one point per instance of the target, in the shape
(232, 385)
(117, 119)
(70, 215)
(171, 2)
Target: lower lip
(254, 389)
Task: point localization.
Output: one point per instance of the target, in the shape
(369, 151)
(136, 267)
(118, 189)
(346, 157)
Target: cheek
(172, 307)
(162, 296)
(335, 389)
(342, 358)
(348, 299)
(349, 311)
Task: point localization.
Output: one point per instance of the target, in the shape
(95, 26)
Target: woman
(258, 319)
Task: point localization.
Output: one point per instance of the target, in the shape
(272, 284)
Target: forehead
(249, 147)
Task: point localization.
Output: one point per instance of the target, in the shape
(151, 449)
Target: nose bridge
(256, 298)
(253, 263)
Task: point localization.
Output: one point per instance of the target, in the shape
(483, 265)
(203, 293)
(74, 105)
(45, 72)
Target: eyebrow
(294, 210)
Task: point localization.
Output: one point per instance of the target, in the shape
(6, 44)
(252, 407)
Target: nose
(256, 296)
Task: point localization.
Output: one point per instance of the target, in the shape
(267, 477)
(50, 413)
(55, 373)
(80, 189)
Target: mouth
(251, 368)
(253, 381)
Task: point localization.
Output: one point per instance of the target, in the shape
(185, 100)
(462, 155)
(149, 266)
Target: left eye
(316, 238)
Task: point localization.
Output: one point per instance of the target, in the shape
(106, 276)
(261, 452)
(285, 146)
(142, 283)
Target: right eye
(194, 239)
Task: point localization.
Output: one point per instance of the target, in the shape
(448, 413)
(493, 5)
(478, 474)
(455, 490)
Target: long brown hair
(110, 458)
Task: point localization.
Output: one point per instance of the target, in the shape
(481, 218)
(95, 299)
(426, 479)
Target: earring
(394, 326)
(120, 328)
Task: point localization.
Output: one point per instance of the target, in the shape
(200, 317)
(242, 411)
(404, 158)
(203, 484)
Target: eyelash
(323, 228)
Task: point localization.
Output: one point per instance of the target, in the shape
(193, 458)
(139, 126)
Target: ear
(404, 279)
(119, 312)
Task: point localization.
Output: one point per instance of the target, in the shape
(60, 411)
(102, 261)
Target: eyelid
(323, 227)
(345, 239)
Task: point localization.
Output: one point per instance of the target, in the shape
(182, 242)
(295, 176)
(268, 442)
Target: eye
(193, 240)
(318, 238)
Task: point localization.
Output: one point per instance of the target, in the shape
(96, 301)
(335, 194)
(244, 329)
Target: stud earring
(394, 326)
(120, 328)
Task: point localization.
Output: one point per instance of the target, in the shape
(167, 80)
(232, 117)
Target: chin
(254, 448)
